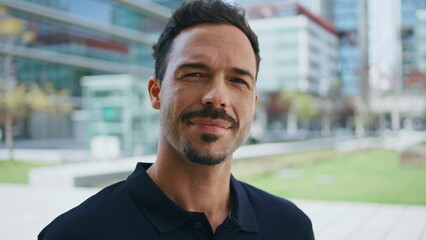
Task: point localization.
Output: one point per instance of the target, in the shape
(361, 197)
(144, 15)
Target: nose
(216, 95)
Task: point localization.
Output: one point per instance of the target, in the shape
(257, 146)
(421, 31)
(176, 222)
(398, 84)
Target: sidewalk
(26, 210)
(365, 221)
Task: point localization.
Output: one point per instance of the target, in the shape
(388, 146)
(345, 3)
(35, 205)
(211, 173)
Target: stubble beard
(207, 160)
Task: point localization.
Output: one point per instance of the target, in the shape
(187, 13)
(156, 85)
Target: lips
(210, 116)
(210, 126)
(211, 123)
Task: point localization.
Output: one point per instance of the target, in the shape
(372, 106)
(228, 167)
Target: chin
(203, 157)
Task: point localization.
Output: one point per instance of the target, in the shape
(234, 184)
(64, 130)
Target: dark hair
(196, 12)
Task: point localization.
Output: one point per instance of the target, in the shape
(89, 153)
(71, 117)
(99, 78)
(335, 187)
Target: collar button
(197, 224)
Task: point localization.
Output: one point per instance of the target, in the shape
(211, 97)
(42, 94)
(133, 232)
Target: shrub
(414, 155)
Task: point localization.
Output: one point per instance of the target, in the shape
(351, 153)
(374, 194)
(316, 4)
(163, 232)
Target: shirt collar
(166, 215)
(162, 212)
(242, 210)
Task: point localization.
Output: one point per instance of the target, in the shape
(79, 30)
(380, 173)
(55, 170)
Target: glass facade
(84, 33)
(346, 20)
(278, 71)
(298, 52)
(73, 40)
(77, 38)
(412, 38)
(346, 15)
(420, 40)
(118, 106)
(416, 75)
(36, 71)
(319, 7)
(408, 9)
(112, 12)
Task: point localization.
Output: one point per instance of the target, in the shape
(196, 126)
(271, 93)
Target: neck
(194, 187)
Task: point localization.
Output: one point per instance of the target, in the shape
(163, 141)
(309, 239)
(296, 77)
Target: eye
(240, 81)
(195, 74)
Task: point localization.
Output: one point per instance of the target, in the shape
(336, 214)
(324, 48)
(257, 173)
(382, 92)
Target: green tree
(17, 103)
(301, 107)
(18, 99)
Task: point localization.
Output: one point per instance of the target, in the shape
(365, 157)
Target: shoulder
(276, 213)
(269, 202)
(79, 222)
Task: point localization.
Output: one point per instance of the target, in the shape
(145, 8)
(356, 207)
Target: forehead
(211, 30)
(205, 42)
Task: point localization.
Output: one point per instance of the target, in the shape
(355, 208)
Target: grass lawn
(15, 171)
(364, 176)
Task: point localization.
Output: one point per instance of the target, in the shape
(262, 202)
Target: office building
(420, 41)
(348, 17)
(76, 38)
(298, 48)
(121, 117)
(413, 24)
(396, 33)
(318, 7)
(345, 17)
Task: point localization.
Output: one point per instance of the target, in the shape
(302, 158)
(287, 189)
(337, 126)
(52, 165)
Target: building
(76, 38)
(120, 112)
(349, 17)
(299, 52)
(398, 95)
(380, 54)
(420, 42)
(298, 48)
(345, 16)
(413, 36)
(318, 7)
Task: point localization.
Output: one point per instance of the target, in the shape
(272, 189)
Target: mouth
(211, 126)
(210, 116)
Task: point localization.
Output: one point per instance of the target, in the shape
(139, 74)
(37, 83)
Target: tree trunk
(396, 115)
(292, 124)
(325, 126)
(9, 134)
(359, 126)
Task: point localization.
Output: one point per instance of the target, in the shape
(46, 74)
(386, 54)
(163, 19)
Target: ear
(257, 97)
(154, 92)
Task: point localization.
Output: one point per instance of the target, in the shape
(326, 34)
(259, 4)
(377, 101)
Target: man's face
(208, 94)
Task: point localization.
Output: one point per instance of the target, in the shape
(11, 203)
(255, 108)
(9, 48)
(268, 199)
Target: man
(207, 61)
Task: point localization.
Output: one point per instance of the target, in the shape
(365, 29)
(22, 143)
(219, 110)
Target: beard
(190, 150)
(206, 160)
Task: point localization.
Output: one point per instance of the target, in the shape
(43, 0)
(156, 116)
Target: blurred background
(341, 114)
(329, 68)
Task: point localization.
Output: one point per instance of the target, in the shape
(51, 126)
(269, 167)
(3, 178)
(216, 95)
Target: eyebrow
(244, 72)
(235, 70)
(191, 65)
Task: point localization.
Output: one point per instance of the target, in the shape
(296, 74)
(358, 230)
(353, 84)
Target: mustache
(210, 112)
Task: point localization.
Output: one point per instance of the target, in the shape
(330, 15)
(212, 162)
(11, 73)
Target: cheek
(245, 103)
(245, 111)
(175, 101)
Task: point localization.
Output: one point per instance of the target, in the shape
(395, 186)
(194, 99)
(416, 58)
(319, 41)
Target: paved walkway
(365, 221)
(26, 210)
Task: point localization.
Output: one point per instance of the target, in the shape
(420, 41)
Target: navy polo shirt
(138, 209)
